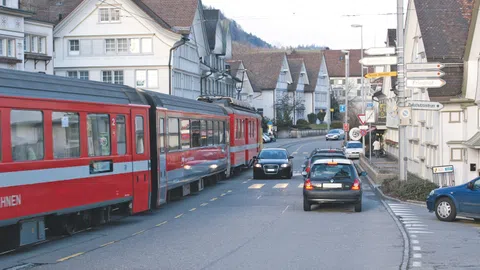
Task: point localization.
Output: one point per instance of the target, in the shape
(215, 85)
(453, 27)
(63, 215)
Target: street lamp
(363, 79)
(347, 69)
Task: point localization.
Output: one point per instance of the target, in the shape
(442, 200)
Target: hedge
(412, 189)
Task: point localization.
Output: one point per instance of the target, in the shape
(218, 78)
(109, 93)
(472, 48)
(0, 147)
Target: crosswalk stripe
(300, 186)
(280, 186)
(256, 186)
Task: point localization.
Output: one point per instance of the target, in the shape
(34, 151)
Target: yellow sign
(381, 74)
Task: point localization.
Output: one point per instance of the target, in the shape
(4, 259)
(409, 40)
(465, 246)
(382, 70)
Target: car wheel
(291, 174)
(358, 207)
(476, 219)
(307, 206)
(445, 209)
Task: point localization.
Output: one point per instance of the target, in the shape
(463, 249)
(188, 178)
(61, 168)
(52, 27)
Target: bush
(312, 118)
(412, 189)
(335, 125)
(303, 124)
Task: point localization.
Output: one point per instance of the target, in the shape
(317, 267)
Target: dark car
(319, 151)
(333, 181)
(273, 162)
(463, 200)
(310, 160)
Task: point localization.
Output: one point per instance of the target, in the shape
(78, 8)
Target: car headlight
(284, 165)
(431, 193)
(258, 165)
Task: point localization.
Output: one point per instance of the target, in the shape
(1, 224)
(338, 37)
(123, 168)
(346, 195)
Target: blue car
(463, 200)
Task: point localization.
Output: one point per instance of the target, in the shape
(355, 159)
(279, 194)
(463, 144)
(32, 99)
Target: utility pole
(347, 69)
(401, 91)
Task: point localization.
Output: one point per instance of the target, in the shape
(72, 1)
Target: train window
(216, 139)
(196, 134)
(237, 128)
(221, 134)
(161, 135)
(173, 134)
(121, 135)
(242, 129)
(210, 133)
(27, 135)
(0, 136)
(185, 133)
(98, 133)
(66, 135)
(203, 132)
(139, 140)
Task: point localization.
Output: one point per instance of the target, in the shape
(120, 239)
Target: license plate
(332, 185)
(270, 170)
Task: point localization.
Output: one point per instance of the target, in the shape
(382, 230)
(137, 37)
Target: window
(66, 135)
(203, 132)
(72, 74)
(26, 43)
(147, 45)
(42, 45)
(3, 3)
(173, 134)
(135, 45)
(221, 132)
(216, 139)
(121, 135)
(122, 45)
(11, 48)
(161, 135)
(2, 47)
(27, 135)
(196, 134)
(84, 75)
(146, 78)
(118, 77)
(98, 134)
(242, 129)
(185, 134)
(359, 81)
(110, 46)
(456, 154)
(74, 47)
(115, 77)
(454, 117)
(109, 15)
(209, 133)
(139, 140)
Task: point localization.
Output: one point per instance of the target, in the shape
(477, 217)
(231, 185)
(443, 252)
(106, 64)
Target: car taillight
(356, 185)
(307, 169)
(308, 185)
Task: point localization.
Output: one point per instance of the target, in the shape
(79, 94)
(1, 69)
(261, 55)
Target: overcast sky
(321, 22)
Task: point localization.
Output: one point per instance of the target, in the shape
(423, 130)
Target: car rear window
(332, 171)
(354, 145)
(315, 158)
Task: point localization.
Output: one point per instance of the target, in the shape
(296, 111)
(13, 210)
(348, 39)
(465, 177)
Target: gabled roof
(212, 16)
(50, 10)
(178, 14)
(313, 61)
(263, 68)
(335, 60)
(295, 65)
(234, 66)
(444, 25)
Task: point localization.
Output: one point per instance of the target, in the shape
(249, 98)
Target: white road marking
(256, 186)
(305, 153)
(285, 209)
(281, 185)
(413, 236)
(417, 255)
(416, 225)
(300, 186)
(417, 248)
(415, 242)
(411, 222)
(417, 264)
(294, 153)
(419, 232)
(259, 197)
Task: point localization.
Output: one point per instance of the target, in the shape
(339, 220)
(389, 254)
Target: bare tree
(285, 107)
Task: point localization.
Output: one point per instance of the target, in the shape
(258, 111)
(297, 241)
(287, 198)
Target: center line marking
(107, 244)
(203, 204)
(179, 216)
(300, 186)
(193, 209)
(415, 242)
(137, 233)
(223, 194)
(213, 199)
(285, 209)
(160, 224)
(229, 191)
(417, 248)
(69, 257)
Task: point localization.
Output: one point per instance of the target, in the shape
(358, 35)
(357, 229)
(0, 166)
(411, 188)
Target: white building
(25, 43)
(157, 45)
(297, 87)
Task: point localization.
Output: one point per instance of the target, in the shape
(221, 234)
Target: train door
(141, 161)
(162, 159)
(246, 140)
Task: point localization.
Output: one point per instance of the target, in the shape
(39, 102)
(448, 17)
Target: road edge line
(406, 239)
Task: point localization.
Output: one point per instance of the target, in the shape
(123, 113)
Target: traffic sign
(425, 83)
(370, 116)
(363, 132)
(378, 61)
(405, 114)
(342, 108)
(346, 127)
(361, 117)
(355, 134)
(425, 74)
(424, 105)
(363, 127)
(443, 169)
(424, 66)
(370, 105)
(380, 51)
(381, 74)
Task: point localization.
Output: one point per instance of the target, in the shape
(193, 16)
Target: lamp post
(347, 69)
(363, 79)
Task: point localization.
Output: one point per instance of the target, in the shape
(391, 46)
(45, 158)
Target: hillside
(239, 35)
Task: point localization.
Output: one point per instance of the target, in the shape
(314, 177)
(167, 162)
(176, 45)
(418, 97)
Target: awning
(473, 142)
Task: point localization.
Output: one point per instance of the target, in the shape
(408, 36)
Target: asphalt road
(237, 224)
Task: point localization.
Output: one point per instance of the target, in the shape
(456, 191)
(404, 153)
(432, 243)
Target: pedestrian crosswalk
(291, 185)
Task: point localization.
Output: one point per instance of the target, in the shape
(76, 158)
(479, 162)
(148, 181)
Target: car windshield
(334, 132)
(273, 154)
(325, 171)
(354, 145)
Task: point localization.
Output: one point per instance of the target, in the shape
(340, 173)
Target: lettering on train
(10, 201)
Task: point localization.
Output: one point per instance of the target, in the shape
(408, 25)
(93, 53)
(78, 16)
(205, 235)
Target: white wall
(46, 30)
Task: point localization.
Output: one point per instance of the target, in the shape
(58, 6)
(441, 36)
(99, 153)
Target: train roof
(183, 104)
(26, 84)
(229, 103)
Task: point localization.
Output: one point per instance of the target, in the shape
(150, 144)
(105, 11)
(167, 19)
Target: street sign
(443, 169)
(346, 127)
(361, 117)
(363, 127)
(425, 83)
(363, 132)
(424, 66)
(370, 105)
(370, 116)
(378, 61)
(342, 108)
(355, 134)
(381, 74)
(405, 115)
(424, 105)
(425, 74)
(380, 51)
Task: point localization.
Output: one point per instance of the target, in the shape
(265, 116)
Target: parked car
(353, 149)
(333, 181)
(273, 162)
(266, 138)
(335, 134)
(463, 200)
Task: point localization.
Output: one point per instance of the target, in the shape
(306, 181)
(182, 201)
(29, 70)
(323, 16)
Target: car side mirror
(290, 157)
(363, 174)
(304, 174)
(470, 185)
(254, 157)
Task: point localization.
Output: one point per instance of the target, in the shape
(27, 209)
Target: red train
(72, 152)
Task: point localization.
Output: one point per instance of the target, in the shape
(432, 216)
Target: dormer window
(109, 15)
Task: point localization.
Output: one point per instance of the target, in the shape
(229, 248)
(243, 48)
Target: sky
(320, 22)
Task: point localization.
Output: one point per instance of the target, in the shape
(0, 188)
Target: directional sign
(370, 116)
(342, 108)
(425, 83)
(363, 127)
(424, 66)
(362, 118)
(443, 169)
(380, 51)
(425, 105)
(381, 74)
(370, 105)
(378, 61)
(425, 74)
(355, 134)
